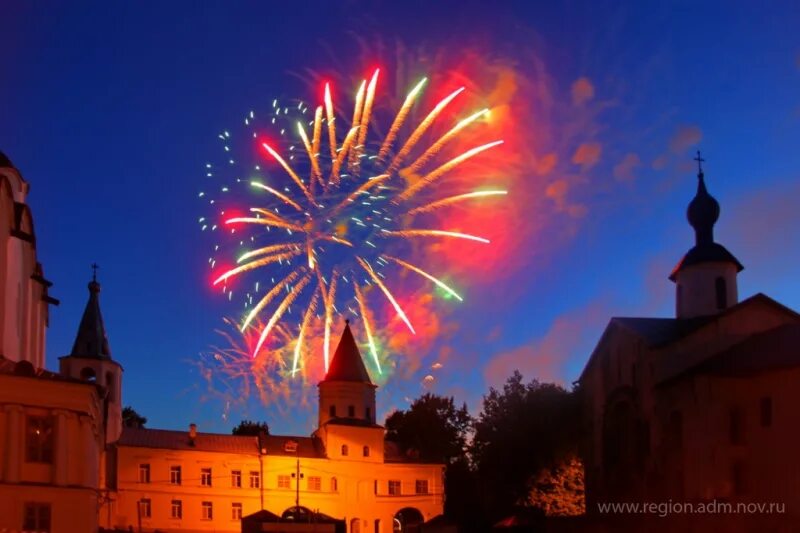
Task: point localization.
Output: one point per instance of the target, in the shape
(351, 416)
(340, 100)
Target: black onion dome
(703, 212)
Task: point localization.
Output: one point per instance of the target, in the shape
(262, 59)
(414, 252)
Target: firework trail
(326, 227)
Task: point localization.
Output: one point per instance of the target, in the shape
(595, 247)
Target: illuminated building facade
(68, 465)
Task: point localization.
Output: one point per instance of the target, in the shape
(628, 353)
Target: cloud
(546, 164)
(624, 170)
(660, 162)
(549, 357)
(582, 91)
(684, 138)
(587, 155)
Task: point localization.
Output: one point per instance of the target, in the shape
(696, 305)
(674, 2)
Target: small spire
(91, 340)
(347, 364)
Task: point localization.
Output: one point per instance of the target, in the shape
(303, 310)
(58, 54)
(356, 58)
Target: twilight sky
(110, 111)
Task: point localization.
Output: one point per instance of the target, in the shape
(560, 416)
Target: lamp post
(298, 476)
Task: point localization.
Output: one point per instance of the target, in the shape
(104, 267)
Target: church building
(67, 464)
(700, 407)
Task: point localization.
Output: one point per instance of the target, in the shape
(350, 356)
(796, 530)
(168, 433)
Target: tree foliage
(433, 427)
(132, 419)
(251, 428)
(522, 430)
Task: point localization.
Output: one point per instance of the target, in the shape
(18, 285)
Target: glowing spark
(424, 274)
(264, 222)
(268, 298)
(357, 110)
(435, 233)
(360, 190)
(437, 146)
(316, 172)
(265, 250)
(366, 115)
(365, 318)
(399, 119)
(386, 292)
(331, 120)
(454, 199)
(441, 170)
(280, 195)
(303, 327)
(287, 301)
(256, 264)
(337, 164)
(422, 128)
(289, 171)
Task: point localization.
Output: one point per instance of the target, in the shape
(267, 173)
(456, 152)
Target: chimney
(192, 433)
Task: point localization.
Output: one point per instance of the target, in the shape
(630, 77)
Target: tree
(432, 428)
(251, 428)
(521, 431)
(132, 419)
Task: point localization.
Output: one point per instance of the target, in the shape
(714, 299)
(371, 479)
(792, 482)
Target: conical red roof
(347, 364)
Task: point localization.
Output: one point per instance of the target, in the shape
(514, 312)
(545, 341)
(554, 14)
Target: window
(766, 411)
(255, 479)
(236, 478)
(144, 508)
(144, 473)
(421, 486)
(175, 475)
(36, 517)
(332, 411)
(365, 452)
(736, 426)
(236, 511)
(722, 292)
(208, 511)
(394, 487)
(284, 482)
(314, 483)
(351, 411)
(39, 439)
(345, 450)
(205, 477)
(177, 509)
(368, 414)
(334, 485)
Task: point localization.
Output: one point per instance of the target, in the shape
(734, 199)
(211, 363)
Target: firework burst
(329, 225)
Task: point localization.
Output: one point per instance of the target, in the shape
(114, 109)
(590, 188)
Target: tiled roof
(179, 440)
(659, 331)
(775, 349)
(282, 445)
(26, 369)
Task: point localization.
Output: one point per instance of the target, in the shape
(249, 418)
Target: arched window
(88, 374)
(366, 451)
(334, 485)
(355, 525)
(722, 292)
(351, 411)
(332, 411)
(368, 413)
(345, 449)
(111, 386)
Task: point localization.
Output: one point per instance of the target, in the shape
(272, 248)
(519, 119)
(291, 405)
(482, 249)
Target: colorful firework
(329, 228)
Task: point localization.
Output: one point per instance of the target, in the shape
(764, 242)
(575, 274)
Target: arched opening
(355, 525)
(721, 288)
(345, 450)
(408, 520)
(377, 525)
(366, 451)
(88, 374)
(298, 514)
(334, 485)
(351, 411)
(332, 411)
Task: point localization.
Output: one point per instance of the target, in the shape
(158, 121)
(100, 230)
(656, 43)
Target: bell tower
(90, 360)
(705, 279)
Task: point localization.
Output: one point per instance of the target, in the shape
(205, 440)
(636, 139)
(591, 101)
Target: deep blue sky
(109, 110)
